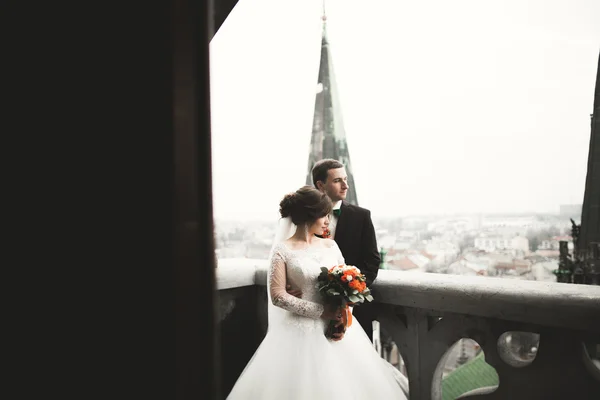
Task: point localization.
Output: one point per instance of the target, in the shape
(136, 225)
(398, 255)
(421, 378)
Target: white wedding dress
(295, 360)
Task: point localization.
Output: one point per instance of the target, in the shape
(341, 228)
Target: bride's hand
(343, 321)
(337, 336)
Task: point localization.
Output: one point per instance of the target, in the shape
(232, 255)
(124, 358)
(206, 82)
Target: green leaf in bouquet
(324, 270)
(333, 292)
(354, 291)
(354, 299)
(369, 297)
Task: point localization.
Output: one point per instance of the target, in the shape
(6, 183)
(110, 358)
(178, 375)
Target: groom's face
(336, 184)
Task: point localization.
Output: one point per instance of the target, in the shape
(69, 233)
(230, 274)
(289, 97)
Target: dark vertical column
(590, 215)
(114, 118)
(197, 344)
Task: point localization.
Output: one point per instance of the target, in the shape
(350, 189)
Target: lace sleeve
(281, 298)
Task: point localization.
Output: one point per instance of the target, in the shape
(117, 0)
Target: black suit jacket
(355, 236)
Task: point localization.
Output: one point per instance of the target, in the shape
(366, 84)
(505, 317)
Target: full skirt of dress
(296, 361)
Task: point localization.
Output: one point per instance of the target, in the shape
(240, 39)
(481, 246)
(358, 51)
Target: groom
(352, 229)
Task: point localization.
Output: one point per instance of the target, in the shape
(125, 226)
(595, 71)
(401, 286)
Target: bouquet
(342, 286)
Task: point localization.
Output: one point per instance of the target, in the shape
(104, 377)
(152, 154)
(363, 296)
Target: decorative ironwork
(583, 265)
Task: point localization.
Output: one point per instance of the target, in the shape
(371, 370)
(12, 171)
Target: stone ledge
(542, 303)
(239, 273)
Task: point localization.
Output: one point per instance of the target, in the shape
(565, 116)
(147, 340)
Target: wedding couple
(296, 360)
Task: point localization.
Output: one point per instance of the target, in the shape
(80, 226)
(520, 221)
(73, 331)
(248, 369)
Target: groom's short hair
(322, 167)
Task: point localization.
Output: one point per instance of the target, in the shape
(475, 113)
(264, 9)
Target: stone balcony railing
(426, 314)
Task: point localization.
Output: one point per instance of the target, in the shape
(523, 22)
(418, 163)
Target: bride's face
(319, 226)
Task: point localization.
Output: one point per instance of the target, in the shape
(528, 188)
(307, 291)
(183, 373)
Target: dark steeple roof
(328, 134)
(590, 214)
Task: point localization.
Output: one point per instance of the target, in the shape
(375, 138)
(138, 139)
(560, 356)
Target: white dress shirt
(333, 219)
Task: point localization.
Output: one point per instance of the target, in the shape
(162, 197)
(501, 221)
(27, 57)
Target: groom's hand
(293, 292)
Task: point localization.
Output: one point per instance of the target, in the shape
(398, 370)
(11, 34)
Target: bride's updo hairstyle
(305, 205)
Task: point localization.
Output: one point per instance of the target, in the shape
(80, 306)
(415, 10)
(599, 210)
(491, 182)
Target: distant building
(441, 252)
(553, 243)
(408, 260)
(548, 253)
(515, 268)
(465, 267)
(493, 243)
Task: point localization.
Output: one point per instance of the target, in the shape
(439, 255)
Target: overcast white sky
(449, 106)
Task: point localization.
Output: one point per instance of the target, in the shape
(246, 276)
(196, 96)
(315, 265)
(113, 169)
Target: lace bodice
(300, 269)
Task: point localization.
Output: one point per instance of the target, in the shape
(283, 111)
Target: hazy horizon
(449, 107)
(428, 215)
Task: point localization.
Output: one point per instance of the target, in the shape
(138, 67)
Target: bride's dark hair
(305, 205)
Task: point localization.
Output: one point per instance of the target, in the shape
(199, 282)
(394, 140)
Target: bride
(295, 360)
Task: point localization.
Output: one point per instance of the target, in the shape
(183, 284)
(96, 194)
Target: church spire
(590, 213)
(328, 138)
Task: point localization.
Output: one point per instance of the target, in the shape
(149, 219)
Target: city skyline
(484, 109)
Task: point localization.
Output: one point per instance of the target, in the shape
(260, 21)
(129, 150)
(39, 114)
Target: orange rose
(354, 284)
(350, 272)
